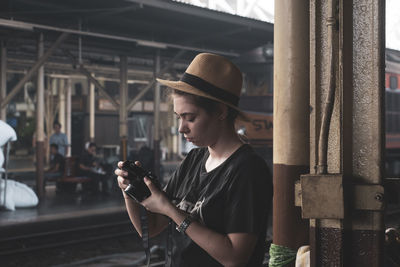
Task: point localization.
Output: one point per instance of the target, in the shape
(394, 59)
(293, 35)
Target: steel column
(92, 111)
(123, 112)
(3, 79)
(156, 135)
(356, 135)
(40, 123)
(68, 129)
(61, 99)
(291, 119)
(365, 45)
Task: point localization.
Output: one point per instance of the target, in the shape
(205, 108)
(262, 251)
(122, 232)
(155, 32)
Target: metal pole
(34, 69)
(150, 85)
(123, 127)
(92, 112)
(157, 116)
(61, 99)
(69, 114)
(291, 119)
(99, 86)
(40, 123)
(3, 78)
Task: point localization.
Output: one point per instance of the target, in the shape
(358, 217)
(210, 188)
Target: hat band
(209, 88)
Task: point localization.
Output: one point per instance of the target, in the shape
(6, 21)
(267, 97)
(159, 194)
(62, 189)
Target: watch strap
(184, 225)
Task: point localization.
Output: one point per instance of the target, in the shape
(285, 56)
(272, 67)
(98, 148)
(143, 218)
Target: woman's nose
(182, 127)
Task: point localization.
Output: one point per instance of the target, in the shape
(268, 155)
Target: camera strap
(145, 234)
(168, 245)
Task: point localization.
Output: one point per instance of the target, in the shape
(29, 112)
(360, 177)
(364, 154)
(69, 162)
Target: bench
(70, 179)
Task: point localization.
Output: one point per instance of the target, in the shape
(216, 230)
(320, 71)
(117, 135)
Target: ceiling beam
(30, 26)
(206, 13)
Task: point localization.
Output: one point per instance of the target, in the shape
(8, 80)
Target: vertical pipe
(40, 123)
(3, 78)
(291, 117)
(157, 116)
(123, 123)
(91, 112)
(69, 114)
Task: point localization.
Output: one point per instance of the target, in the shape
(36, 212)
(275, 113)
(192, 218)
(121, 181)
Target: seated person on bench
(89, 166)
(56, 169)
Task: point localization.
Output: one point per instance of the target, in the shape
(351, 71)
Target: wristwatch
(184, 225)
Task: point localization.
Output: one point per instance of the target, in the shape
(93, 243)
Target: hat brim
(187, 88)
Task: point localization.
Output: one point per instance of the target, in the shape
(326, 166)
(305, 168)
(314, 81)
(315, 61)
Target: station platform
(54, 206)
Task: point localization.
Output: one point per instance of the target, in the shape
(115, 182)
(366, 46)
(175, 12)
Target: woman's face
(197, 125)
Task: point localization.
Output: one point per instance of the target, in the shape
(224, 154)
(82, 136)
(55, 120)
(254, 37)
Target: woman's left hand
(157, 202)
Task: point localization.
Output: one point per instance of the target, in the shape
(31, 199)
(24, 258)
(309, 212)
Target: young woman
(220, 195)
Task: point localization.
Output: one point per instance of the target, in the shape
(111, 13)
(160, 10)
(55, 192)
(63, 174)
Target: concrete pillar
(123, 112)
(3, 79)
(291, 119)
(156, 144)
(40, 124)
(68, 129)
(92, 112)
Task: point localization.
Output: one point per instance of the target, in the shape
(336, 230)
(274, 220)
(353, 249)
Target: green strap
(280, 255)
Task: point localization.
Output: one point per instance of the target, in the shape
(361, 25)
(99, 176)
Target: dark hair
(209, 105)
(54, 145)
(92, 144)
(56, 123)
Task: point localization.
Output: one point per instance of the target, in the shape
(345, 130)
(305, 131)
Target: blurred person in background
(59, 139)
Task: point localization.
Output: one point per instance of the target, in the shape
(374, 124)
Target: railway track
(62, 242)
(65, 237)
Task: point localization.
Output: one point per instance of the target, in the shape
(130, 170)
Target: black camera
(137, 189)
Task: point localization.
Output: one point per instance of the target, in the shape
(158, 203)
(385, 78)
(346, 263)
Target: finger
(149, 184)
(122, 173)
(138, 163)
(122, 183)
(120, 163)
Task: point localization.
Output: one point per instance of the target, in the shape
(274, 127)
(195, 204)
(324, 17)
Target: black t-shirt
(57, 159)
(235, 197)
(87, 160)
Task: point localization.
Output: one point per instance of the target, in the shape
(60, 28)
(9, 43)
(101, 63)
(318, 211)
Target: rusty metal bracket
(322, 197)
(368, 197)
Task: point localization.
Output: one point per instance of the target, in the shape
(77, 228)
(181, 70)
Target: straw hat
(213, 77)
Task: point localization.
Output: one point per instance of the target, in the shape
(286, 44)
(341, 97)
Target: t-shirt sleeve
(248, 199)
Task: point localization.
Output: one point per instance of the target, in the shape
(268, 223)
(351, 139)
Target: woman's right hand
(122, 179)
(123, 182)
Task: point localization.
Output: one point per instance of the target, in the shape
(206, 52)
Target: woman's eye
(191, 119)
